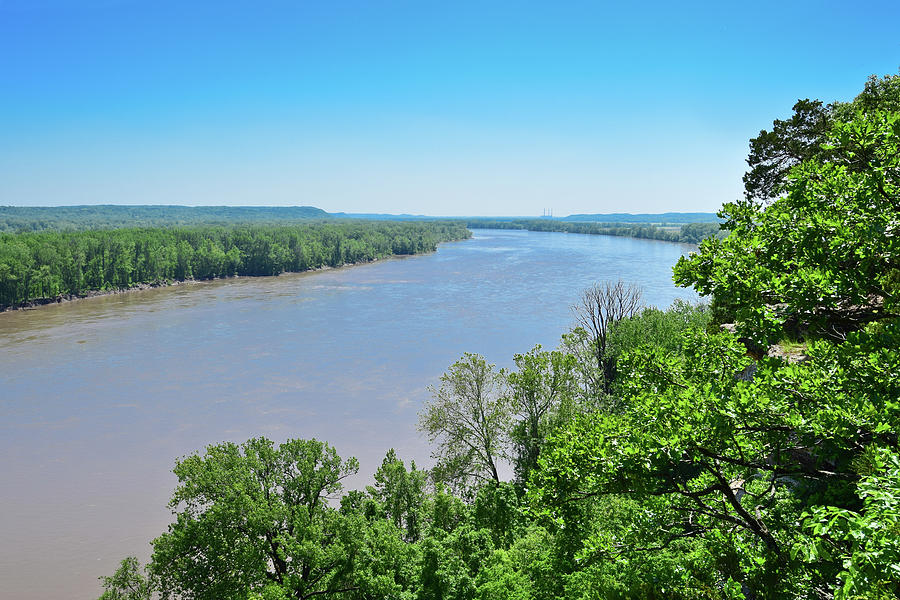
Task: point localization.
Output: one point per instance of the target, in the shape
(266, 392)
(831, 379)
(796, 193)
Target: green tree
(824, 259)
(501, 579)
(773, 153)
(663, 329)
(867, 541)
(401, 495)
(497, 508)
(383, 565)
(468, 417)
(541, 391)
(254, 517)
(705, 455)
(127, 583)
(791, 141)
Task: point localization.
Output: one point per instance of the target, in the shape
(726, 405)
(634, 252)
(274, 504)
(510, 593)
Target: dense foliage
(50, 264)
(825, 257)
(790, 142)
(681, 458)
(765, 477)
(689, 233)
(109, 216)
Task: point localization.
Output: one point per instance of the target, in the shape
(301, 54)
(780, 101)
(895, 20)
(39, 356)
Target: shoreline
(629, 237)
(39, 303)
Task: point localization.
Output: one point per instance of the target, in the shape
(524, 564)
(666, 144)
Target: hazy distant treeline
(49, 264)
(691, 233)
(645, 218)
(76, 218)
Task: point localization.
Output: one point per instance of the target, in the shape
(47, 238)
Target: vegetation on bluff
(673, 458)
(50, 264)
(19, 219)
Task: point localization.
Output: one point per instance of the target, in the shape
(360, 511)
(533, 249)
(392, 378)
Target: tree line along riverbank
(688, 233)
(52, 264)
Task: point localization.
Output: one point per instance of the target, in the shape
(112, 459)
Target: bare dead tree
(599, 307)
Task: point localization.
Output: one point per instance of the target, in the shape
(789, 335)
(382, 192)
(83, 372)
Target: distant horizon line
(348, 213)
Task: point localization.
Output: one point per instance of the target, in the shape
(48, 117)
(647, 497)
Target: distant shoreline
(688, 233)
(630, 237)
(39, 303)
(51, 267)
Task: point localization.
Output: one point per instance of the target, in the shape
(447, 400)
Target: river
(98, 397)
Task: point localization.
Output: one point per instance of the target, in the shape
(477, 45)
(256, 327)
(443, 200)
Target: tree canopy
(254, 515)
(773, 153)
(773, 477)
(47, 265)
(468, 419)
(823, 258)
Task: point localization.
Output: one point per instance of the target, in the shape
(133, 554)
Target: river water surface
(98, 397)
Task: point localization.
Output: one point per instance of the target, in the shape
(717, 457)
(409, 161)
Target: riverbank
(683, 233)
(37, 303)
(50, 267)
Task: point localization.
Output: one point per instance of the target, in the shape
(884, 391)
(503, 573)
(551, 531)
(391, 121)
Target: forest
(16, 219)
(48, 265)
(744, 449)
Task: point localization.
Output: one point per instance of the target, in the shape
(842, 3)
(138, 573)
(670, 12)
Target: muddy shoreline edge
(38, 303)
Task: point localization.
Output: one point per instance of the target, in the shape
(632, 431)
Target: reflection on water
(98, 397)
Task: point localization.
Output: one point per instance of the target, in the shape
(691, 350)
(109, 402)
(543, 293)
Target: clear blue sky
(442, 108)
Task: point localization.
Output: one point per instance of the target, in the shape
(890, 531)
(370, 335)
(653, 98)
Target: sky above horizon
(462, 108)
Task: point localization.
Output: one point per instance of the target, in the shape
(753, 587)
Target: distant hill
(409, 217)
(114, 216)
(669, 217)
